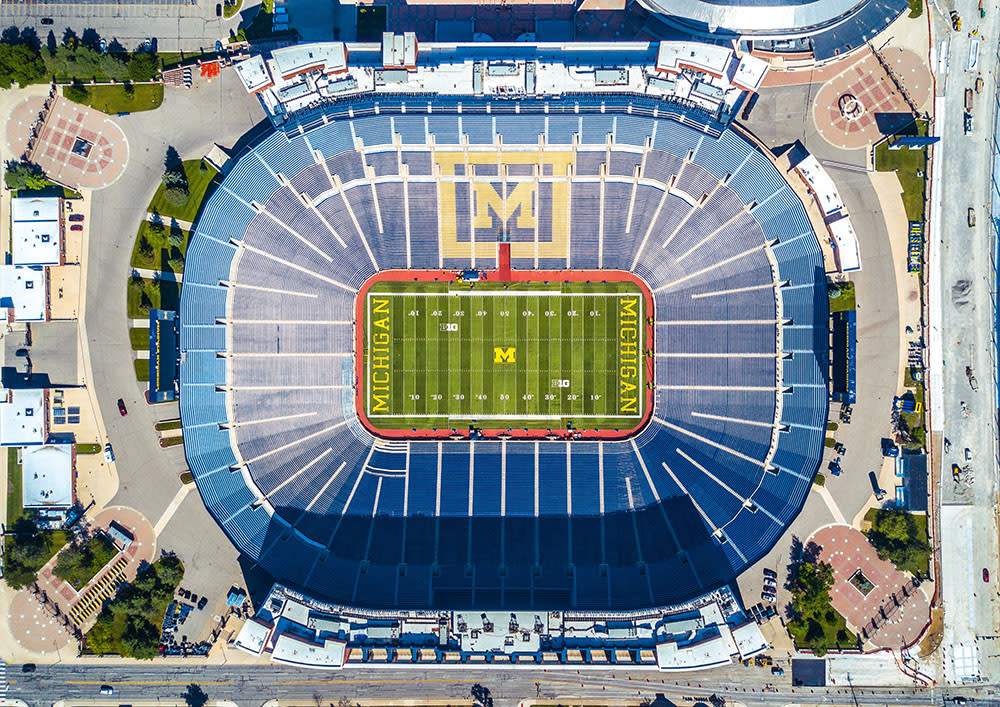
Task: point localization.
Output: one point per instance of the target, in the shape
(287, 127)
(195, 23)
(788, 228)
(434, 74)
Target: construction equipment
(972, 217)
(956, 21)
(965, 410)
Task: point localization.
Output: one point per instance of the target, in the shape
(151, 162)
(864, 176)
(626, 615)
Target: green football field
(504, 355)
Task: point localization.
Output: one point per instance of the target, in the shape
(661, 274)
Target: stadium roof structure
(302, 82)
(828, 27)
(699, 212)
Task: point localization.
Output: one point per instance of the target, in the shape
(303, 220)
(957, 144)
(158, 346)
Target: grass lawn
(906, 164)
(846, 302)
(141, 370)
(499, 371)
(139, 338)
(167, 425)
(822, 632)
(113, 98)
(935, 632)
(171, 441)
(915, 420)
(918, 564)
(187, 478)
(78, 564)
(201, 184)
(157, 252)
(144, 294)
(14, 508)
(88, 448)
(230, 10)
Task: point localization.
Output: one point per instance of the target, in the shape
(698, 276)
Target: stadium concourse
(306, 217)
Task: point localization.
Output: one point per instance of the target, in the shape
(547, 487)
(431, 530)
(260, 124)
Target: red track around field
(502, 275)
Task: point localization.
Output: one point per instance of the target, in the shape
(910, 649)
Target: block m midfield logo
(531, 195)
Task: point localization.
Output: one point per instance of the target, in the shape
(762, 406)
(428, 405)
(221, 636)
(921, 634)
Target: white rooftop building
(47, 476)
(835, 216)
(36, 231)
(22, 417)
(306, 76)
(23, 293)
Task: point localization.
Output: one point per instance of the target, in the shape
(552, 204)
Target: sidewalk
(165, 275)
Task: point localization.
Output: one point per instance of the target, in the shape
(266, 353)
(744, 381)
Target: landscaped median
(117, 98)
(80, 562)
(161, 243)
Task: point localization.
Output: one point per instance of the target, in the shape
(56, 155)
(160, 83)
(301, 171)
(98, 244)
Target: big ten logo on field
(503, 354)
(525, 193)
(379, 362)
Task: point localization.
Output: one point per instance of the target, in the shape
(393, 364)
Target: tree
(175, 185)
(176, 264)
(155, 222)
(176, 235)
(141, 638)
(895, 536)
(145, 247)
(25, 175)
(195, 696)
(21, 63)
(143, 66)
(51, 44)
(811, 591)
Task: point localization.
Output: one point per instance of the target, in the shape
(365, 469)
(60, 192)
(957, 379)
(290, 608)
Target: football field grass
(504, 355)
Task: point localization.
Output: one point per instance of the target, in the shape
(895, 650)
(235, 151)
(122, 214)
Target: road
(961, 334)
(189, 121)
(250, 686)
(189, 25)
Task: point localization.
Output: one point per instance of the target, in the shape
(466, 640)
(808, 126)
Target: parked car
(47, 20)
(218, 9)
(28, 668)
(103, 45)
(76, 227)
(986, 575)
(122, 410)
(76, 217)
(770, 598)
(109, 453)
(770, 582)
(202, 603)
(968, 454)
(768, 572)
(777, 671)
(107, 690)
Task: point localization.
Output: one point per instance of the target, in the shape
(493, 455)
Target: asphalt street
(250, 686)
(190, 121)
(961, 335)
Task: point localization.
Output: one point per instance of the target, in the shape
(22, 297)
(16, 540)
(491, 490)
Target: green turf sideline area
(519, 355)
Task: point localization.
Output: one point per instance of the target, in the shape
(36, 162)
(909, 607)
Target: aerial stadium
(502, 351)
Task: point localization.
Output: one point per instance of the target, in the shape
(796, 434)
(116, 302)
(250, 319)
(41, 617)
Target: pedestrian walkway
(165, 275)
(186, 225)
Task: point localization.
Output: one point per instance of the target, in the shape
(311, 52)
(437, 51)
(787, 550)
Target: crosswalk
(3, 680)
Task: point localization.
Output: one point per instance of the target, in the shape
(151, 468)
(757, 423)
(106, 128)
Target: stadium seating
(267, 335)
